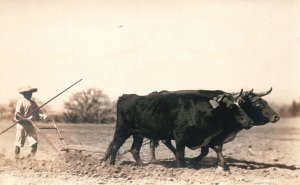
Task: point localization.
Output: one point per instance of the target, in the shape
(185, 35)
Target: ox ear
(264, 93)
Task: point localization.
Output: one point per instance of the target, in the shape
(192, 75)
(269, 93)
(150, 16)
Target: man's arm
(19, 112)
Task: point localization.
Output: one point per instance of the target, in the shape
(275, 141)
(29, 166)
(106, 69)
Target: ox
(255, 107)
(188, 117)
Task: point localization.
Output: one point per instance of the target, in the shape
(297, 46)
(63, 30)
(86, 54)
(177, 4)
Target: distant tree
(284, 111)
(7, 110)
(2, 111)
(12, 106)
(89, 106)
(294, 109)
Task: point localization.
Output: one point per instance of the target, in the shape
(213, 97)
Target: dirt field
(262, 155)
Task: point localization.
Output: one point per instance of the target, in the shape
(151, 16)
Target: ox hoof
(112, 163)
(194, 163)
(181, 165)
(223, 168)
(196, 160)
(140, 163)
(153, 160)
(102, 163)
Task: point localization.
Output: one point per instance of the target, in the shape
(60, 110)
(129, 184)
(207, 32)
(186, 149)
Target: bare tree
(89, 106)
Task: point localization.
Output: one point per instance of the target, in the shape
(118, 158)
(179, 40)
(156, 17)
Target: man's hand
(46, 118)
(20, 117)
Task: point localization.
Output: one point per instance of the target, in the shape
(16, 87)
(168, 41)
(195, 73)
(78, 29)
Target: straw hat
(26, 89)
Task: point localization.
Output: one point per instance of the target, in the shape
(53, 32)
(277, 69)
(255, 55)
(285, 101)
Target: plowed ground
(262, 155)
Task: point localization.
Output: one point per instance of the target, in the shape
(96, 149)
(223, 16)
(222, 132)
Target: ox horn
(221, 97)
(237, 95)
(264, 93)
(249, 92)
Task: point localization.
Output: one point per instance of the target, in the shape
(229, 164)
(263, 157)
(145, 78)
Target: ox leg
(115, 146)
(153, 145)
(221, 160)
(204, 152)
(136, 147)
(170, 146)
(108, 151)
(180, 161)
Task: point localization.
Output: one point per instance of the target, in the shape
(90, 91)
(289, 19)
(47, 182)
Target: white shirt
(25, 107)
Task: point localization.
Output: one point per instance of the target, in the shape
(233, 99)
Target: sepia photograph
(149, 92)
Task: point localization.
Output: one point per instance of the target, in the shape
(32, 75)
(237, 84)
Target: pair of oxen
(193, 118)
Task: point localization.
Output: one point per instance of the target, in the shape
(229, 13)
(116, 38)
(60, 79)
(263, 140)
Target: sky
(138, 46)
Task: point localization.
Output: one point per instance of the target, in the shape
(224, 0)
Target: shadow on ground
(245, 164)
(211, 162)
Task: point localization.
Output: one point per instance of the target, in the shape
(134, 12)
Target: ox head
(257, 108)
(231, 111)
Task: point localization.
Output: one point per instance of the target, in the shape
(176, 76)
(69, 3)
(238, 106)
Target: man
(25, 117)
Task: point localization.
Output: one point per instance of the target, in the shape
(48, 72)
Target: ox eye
(259, 106)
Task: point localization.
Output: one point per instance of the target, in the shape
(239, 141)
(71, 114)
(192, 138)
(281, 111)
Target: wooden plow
(67, 147)
(53, 126)
(79, 148)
